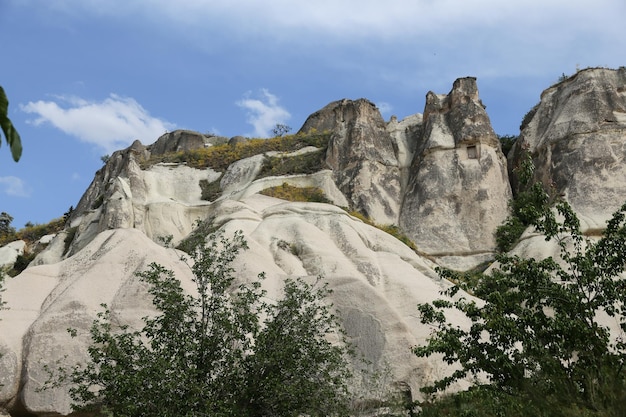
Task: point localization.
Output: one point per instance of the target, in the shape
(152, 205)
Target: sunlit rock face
(576, 136)
(363, 157)
(440, 176)
(458, 189)
(376, 280)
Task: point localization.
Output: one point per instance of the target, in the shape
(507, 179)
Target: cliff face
(458, 189)
(441, 177)
(575, 136)
(362, 156)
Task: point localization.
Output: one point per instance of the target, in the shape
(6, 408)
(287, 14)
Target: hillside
(318, 203)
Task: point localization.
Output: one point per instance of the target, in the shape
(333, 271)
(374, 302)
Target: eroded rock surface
(576, 136)
(377, 282)
(458, 189)
(362, 156)
(441, 176)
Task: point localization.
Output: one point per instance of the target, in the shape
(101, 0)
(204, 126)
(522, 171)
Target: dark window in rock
(472, 152)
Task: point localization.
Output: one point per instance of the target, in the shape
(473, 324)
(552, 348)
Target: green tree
(208, 354)
(294, 371)
(535, 339)
(10, 133)
(507, 142)
(5, 225)
(528, 206)
(280, 130)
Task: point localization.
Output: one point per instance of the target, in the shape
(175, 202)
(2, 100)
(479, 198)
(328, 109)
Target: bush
(392, 229)
(528, 206)
(291, 193)
(528, 117)
(208, 354)
(210, 190)
(33, 232)
(536, 339)
(21, 263)
(507, 142)
(219, 157)
(307, 163)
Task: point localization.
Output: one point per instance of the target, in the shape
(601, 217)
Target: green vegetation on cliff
(219, 157)
(222, 351)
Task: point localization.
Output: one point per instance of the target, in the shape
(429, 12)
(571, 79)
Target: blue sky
(87, 77)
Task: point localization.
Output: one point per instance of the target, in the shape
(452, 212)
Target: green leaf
(12, 137)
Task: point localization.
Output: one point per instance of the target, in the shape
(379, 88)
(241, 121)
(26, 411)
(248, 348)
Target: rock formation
(575, 136)
(362, 156)
(440, 176)
(458, 189)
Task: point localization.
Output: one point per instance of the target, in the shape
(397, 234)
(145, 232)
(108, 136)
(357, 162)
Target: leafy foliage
(219, 157)
(528, 206)
(306, 163)
(207, 354)
(292, 365)
(291, 193)
(280, 129)
(210, 191)
(507, 142)
(536, 338)
(10, 133)
(528, 117)
(5, 225)
(31, 232)
(392, 229)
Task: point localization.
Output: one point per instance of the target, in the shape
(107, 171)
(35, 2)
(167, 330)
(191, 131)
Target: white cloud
(263, 113)
(362, 18)
(111, 124)
(14, 186)
(384, 108)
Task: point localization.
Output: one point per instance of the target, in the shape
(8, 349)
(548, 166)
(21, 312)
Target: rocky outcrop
(441, 176)
(10, 252)
(576, 136)
(376, 280)
(161, 200)
(458, 188)
(362, 156)
(179, 141)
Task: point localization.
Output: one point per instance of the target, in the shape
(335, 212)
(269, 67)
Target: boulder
(179, 141)
(576, 136)
(458, 189)
(237, 139)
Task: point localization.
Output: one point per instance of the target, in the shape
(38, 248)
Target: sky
(87, 77)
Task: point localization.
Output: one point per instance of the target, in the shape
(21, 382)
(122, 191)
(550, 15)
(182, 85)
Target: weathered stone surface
(377, 282)
(10, 252)
(458, 189)
(162, 200)
(577, 139)
(362, 156)
(45, 300)
(237, 139)
(440, 176)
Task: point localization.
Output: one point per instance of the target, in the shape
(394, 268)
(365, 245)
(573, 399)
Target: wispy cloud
(384, 108)
(111, 124)
(421, 39)
(14, 186)
(264, 112)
